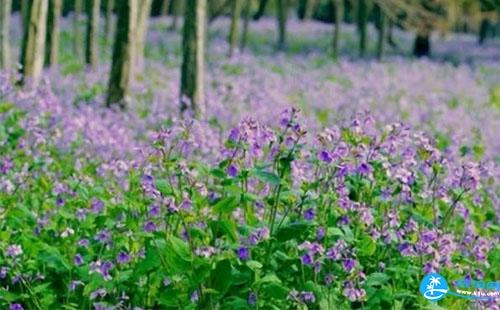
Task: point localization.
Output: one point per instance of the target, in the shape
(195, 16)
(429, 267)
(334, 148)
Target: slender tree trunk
(176, 11)
(5, 11)
(53, 33)
(338, 6)
(123, 53)
(110, 6)
(483, 30)
(261, 10)
(192, 69)
(144, 11)
(234, 29)
(246, 23)
(77, 43)
(381, 34)
(91, 49)
(25, 13)
(164, 8)
(422, 46)
(33, 45)
(390, 36)
(363, 11)
(282, 14)
(309, 8)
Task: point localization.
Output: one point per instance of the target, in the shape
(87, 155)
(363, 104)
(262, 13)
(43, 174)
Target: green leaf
(221, 276)
(254, 265)
(226, 205)
(267, 177)
(293, 230)
(224, 228)
(367, 246)
(377, 278)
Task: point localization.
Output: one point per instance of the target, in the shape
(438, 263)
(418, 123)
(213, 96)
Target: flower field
(310, 184)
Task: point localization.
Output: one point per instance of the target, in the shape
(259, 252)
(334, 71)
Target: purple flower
(154, 210)
(252, 299)
(123, 257)
(167, 281)
(105, 268)
(232, 171)
(97, 206)
(364, 169)
(329, 279)
(103, 236)
(149, 226)
(78, 260)
(3, 272)
(309, 214)
(307, 297)
(349, 264)
(83, 243)
(320, 233)
(16, 307)
(74, 284)
(243, 253)
(306, 259)
(234, 134)
(325, 156)
(13, 250)
(98, 293)
(194, 297)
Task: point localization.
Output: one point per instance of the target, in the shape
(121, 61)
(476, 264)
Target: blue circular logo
(433, 287)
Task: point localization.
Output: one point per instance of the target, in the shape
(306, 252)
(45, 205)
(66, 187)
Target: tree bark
(422, 46)
(310, 6)
(164, 8)
(483, 30)
(176, 10)
(282, 16)
(390, 36)
(234, 29)
(33, 45)
(338, 6)
(246, 23)
(192, 69)
(25, 13)
(143, 13)
(91, 49)
(53, 33)
(77, 43)
(5, 11)
(261, 10)
(381, 34)
(110, 6)
(123, 53)
(363, 11)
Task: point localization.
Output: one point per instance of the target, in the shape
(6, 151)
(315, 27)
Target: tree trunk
(192, 75)
(282, 14)
(483, 30)
(338, 6)
(5, 11)
(91, 49)
(390, 37)
(176, 10)
(164, 8)
(363, 11)
(25, 13)
(143, 13)
(234, 29)
(309, 8)
(261, 10)
(33, 45)
(77, 43)
(123, 53)
(246, 23)
(53, 33)
(110, 6)
(381, 34)
(422, 46)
